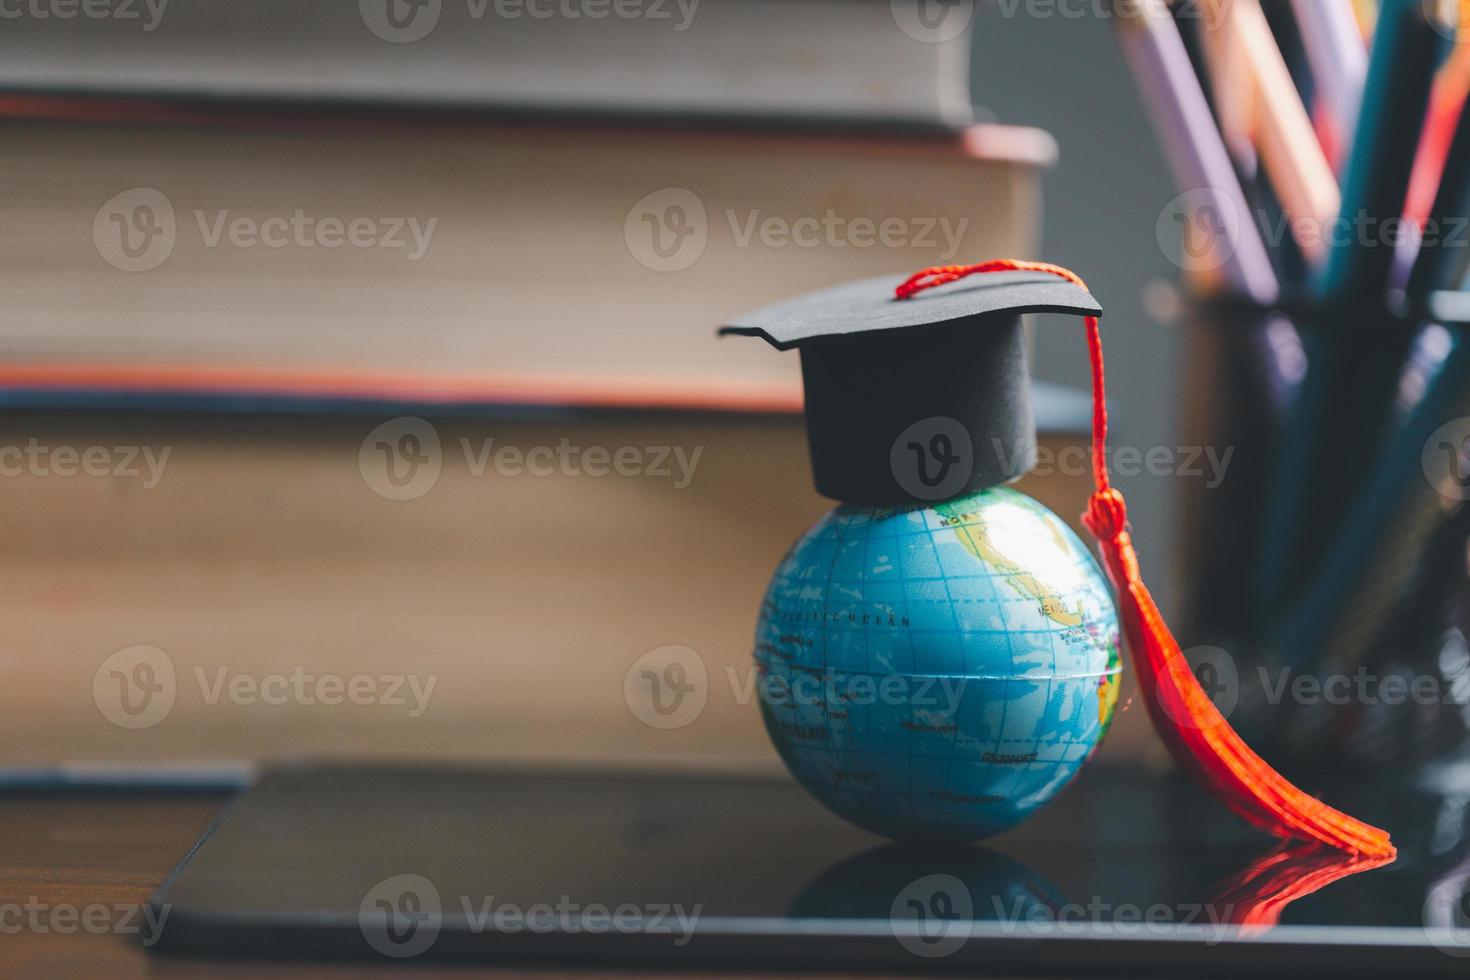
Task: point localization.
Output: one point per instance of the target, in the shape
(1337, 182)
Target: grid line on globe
(882, 766)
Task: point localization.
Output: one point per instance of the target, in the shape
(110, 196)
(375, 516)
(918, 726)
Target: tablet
(1127, 873)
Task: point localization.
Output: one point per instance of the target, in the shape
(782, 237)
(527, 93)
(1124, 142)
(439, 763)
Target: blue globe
(938, 672)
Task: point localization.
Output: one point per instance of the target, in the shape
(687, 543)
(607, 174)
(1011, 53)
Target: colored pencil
(1394, 516)
(1355, 355)
(1195, 151)
(1435, 203)
(1397, 511)
(1441, 262)
(1281, 130)
(1339, 61)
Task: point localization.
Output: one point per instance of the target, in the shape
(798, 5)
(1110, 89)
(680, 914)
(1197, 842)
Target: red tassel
(1255, 897)
(1197, 734)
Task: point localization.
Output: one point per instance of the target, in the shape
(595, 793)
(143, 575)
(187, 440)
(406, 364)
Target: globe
(938, 673)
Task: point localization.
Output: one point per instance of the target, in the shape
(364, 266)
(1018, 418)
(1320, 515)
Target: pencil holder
(1241, 364)
(1361, 660)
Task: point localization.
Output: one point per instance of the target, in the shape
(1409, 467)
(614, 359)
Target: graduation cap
(934, 365)
(912, 401)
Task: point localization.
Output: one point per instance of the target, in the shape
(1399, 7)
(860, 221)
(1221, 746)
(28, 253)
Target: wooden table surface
(93, 850)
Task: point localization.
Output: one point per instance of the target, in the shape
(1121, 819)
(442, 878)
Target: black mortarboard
(913, 401)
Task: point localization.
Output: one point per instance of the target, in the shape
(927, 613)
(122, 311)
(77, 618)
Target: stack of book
(391, 346)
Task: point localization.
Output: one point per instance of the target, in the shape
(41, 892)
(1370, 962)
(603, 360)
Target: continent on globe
(938, 672)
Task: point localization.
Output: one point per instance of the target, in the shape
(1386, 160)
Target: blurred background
(1101, 204)
(362, 393)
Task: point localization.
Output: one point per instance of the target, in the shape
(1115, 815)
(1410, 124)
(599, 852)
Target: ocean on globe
(938, 673)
